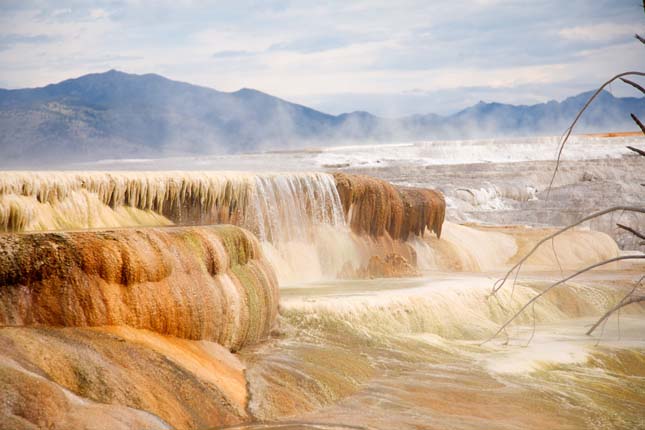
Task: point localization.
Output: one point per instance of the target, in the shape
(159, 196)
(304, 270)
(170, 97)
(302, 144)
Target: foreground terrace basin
(293, 300)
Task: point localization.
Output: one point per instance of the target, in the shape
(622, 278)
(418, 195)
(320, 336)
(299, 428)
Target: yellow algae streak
(62, 200)
(78, 210)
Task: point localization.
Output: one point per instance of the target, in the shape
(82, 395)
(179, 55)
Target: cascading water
(409, 353)
(290, 207)
(299, 217)
(178, 327)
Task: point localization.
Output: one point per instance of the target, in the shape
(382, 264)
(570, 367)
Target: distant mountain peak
(358, 113)
(115, 114)
(249, 90)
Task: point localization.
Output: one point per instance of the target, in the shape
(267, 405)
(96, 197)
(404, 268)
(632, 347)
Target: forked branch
(562, 281)
(627, 300)
(575, 121)
(631, 230)
(633, 84)
(638, 122)
(500, 283)
(623, 303)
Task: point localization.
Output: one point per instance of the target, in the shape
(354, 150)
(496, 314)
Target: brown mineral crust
(117, 378)
(375, 207)
(389, 266)
(195, 283)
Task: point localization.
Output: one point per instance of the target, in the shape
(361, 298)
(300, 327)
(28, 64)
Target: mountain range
(121, 115)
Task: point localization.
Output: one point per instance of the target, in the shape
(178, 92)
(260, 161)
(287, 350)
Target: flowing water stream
(408, 354)
(284, 324)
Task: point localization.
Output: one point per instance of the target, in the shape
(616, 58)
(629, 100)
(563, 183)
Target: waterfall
(152, 300)
(312, 226)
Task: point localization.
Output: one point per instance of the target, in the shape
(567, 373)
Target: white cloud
(597, 32)
(311, 52)
(99, 14)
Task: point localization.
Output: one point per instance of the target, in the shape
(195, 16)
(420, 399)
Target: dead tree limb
(633, 84)
(562, 281)
(638, 122)
(575, 121)
(500, 282)
(563, 140)
(632, 231)
(636, 150)
(626, 300)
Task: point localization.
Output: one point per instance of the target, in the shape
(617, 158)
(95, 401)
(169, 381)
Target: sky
(391, 58)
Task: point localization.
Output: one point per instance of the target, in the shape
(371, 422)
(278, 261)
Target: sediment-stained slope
(130, 328)
(116, 378)
(408, 354)
(200, 283)
(473, 248)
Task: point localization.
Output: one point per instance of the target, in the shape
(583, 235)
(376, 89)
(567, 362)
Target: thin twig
(602, 333)
(622, 303)
(562, 281)
(517, 273)
(555, 254)
(528, 342)
(638, 122)
(500, 282)
(636, 150)
(616, 308)
(632, 231)
(633, 84)
(575, 121)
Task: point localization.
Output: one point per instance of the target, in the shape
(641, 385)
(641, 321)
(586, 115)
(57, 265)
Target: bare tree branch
(563, 140)
(575, 121)
(636, 150)
(633, 84)
(638, 123)
(627, 300)
(632, 231)
(562, 281)
(500, 282)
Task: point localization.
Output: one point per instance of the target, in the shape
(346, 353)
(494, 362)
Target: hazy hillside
(115, 115)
